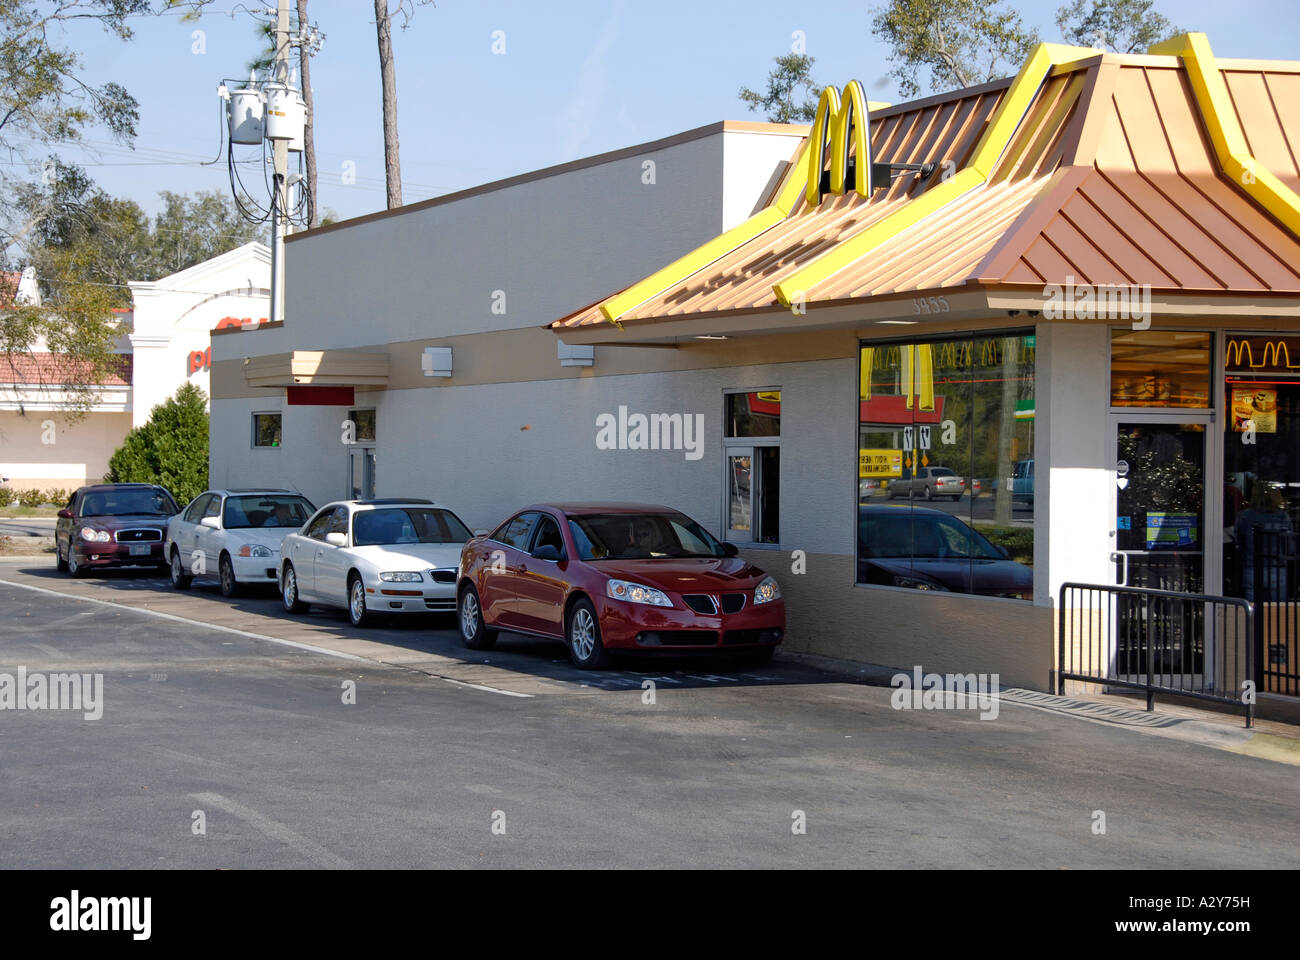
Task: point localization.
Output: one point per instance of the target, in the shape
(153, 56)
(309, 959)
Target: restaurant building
(924, 369)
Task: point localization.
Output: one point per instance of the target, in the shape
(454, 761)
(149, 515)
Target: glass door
(740, 494)
(1160, 538)
(361, 473)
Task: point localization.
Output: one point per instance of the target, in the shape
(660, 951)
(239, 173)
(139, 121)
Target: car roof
(591, 507)
(898, 507)
(241, 491)
(385, 502)
(121, 486)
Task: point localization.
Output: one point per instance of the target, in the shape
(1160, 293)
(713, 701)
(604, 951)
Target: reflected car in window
(927, 549)
(605, 577)
(113, 525)
(234, 536)
(372, 557)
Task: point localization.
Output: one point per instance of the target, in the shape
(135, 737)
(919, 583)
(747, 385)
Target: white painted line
(259, 636)
(196, 623)
(276, 831)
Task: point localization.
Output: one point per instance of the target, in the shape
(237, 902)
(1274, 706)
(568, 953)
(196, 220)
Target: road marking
(261, 636)
(275, 830)
(196, 623)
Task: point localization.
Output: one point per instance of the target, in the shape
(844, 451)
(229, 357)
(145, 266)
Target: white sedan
(372, 557)
(233, 535)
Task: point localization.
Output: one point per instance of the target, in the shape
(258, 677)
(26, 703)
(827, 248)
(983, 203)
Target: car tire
(75, 569)
(226, 571)
(582, 631)
(357, 612)
(59, 562)
(474, 631)
(289, 591)
(929, 492)
(180, 579)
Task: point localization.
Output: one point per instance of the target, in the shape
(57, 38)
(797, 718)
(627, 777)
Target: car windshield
(643, 536)
(923, 538)
(128, 503)
(407, 525)
(265, 510)
(941, 472)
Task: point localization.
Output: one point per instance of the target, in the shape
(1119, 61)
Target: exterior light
(575, 355)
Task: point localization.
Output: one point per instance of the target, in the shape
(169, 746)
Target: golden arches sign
(843, 122)
(1276, 354)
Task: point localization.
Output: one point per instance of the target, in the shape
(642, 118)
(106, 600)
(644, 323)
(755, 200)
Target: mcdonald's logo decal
(844, 123)
(1274, 353)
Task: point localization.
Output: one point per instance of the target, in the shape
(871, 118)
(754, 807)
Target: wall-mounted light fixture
(436, 361)
(575, 355)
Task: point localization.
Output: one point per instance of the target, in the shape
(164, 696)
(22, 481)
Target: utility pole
(280, 171)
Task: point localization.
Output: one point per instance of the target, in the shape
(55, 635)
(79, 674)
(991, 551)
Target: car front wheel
(229, 585)
(357, 611)
(75, 568)
(583, 633)
(474, 632)
(289, 591)
(180, 579)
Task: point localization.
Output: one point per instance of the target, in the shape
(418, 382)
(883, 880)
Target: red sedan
(614, 576)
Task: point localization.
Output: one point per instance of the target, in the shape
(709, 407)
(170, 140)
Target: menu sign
(1256, 406)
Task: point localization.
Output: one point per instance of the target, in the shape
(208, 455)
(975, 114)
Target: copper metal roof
(1109, 178)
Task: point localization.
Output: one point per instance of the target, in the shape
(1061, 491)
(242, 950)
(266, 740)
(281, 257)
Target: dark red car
(113, 525)
(615, 576)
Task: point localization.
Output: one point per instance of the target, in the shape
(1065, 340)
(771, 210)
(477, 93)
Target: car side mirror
(336, 539)
(65, 514)
(547, 551)
(212, 522)
(730, 549)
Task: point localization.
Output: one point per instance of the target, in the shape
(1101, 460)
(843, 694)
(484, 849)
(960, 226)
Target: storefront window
(945, 465)
(1159, 368)
(1261, 484)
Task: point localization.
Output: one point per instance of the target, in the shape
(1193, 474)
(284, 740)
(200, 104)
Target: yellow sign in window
(880, 463)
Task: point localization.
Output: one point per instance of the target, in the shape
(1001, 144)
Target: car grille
(442, 606)
(700, 603)
(150, 535)
(771, 635)
(677, 638)
(732, 602)
(443, 576)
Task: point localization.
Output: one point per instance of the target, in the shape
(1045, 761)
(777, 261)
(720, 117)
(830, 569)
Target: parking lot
(512, 757)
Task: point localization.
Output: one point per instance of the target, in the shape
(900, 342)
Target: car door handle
(523, 568)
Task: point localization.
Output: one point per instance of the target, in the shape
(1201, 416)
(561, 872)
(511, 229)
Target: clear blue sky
(577, 78)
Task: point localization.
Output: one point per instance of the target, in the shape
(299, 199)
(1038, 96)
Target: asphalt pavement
(294, 746)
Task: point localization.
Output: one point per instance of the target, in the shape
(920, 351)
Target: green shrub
(31, 498)
(7, 496)
(57, 496)
(170, 450)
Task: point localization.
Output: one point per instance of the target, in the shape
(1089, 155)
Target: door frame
(1212, 504)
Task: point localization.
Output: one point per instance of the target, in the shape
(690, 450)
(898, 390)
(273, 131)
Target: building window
(266, 429)
(752, 466)
(945, 465)
(364, 423)
(1261, 483)
(1159, 368)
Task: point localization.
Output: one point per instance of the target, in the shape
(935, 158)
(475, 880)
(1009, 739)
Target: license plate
(140, 549)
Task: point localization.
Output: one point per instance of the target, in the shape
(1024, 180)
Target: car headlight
(637, 593)
(401, 576)
(917, 584)
(91, 535)
(767, 591)
(254, 550)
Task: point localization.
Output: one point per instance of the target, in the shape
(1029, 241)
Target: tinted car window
(272, 510)
(548, 535)
(196, 508)
(407, 525)
(515, 533)
(125, 502)
(213, 508)
(319, 524)
(338, 522)
(641, 536)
